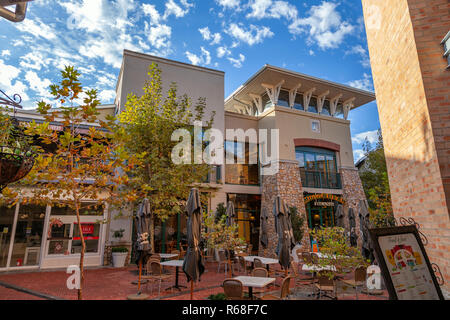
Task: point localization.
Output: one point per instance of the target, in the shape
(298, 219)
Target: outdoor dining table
(264, 260)
(254, 282)
(167, 255)
(177, 264)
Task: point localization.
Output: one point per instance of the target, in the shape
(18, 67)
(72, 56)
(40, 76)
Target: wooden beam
(307, 98)
(321, 100)
(293, 94)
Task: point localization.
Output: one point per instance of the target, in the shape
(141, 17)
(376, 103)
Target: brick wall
(412, 88)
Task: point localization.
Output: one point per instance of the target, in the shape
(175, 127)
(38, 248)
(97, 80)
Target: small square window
(315, 126)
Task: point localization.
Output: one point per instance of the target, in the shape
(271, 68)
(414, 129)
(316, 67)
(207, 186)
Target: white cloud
(372, 137)
(252, 36)
(358, 154)
(6, 53)
(363, 84)
(229, 4)
(203, 59)
(237, 62)
(40, 86)
(324, 25)
(359, 50)
(223, 51)
(9, 82)
(159, 35)
(107, 96)
(172, 8)
(207, 35)
(272, 9)
(37, 28)
(150, 10)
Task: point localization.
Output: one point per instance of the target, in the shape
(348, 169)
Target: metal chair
(359, 279)
(257, 263)
(284, 292)
(157, 274)
(233, 289)
(243, 264)
(223, 260)
(260, 272)
(325, 284)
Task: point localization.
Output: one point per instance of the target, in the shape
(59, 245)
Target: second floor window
(318, 167)
(244, 170)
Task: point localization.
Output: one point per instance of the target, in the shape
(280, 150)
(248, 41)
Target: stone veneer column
(287, 184)
(353, 193)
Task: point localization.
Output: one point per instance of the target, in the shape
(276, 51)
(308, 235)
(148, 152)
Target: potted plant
(119, 256)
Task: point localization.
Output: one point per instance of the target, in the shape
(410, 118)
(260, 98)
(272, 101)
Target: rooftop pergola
(270, 80)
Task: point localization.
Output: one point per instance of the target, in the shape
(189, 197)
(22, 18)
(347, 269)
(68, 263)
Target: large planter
(118, 259)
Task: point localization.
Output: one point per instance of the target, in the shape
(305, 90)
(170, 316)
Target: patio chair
(233, 289)
(243, 265)
(325, 284)
(257, 263)
(260, 272)
(359, 279)
(284, 292)
(157, 274)
(223, 260)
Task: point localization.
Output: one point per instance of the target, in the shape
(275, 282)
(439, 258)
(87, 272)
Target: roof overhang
(270, 75)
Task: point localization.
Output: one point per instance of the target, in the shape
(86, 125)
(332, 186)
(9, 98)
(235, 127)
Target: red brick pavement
(115, 284)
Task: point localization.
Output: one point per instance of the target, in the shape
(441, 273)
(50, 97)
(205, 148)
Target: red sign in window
(88, 231)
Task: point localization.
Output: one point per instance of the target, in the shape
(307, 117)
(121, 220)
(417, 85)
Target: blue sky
(322, 38)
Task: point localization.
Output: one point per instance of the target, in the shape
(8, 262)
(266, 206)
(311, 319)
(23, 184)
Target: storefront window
(6, 224)
(247, 208)
(241, 172)
(28, 237)
(91, 232)
(59, 237)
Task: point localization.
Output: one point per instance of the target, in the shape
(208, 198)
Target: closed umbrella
(364, 228)
(284, 231)
(352, 226)
(230, 213)
(193, 265)
(340, 216)
(264, 240)
(142, 245)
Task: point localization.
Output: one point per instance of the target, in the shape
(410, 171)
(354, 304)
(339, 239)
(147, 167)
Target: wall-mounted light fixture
(19, 12)
(446, 43)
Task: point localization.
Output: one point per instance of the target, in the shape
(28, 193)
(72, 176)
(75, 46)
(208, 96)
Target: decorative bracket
(293, 94)
(333, 104)
(307, 98)
(347, 105)
(321, 100)
(257, 99)
(273, 91)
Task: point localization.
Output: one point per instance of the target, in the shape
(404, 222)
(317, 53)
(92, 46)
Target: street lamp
(18, 14)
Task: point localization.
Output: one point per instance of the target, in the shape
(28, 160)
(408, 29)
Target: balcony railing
(214, 175)
(320, 179)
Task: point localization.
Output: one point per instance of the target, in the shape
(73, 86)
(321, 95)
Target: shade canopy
(230, 213)
(264, 239)
(283, 227)
(193, 265)
(142, 225)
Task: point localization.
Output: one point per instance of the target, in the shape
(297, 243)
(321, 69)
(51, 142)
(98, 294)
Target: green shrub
(119, 249)
(219, 296)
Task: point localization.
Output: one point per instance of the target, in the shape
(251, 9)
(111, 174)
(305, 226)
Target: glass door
(6, 228)
(28, 236)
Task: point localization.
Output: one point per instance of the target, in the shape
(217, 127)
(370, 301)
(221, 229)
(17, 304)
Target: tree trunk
(83, 247)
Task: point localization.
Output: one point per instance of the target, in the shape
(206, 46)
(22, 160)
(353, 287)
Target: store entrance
(321, 217)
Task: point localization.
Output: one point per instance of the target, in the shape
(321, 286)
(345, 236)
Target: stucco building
(408, 46)
(315, 163)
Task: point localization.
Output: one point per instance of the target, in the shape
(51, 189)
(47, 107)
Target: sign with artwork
(404, 264)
